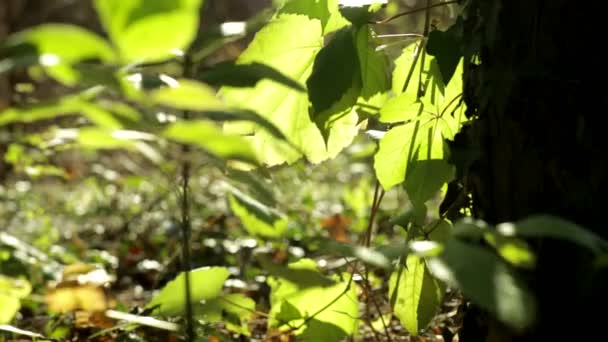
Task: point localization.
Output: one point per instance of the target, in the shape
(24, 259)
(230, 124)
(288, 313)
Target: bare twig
(402, 14)
(186, 225)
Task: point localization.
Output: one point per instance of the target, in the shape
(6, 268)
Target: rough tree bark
(538, 96)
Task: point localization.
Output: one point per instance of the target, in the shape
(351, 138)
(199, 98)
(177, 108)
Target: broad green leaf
(290, 304)
(544, 226)
(415, 294)
(289, 44)
(419, 140)
(9, 306)
(11, 292)
(205, 283)
(374, 65)
(484, 278)
(402, 108)
(425, 179)
(150, 30)
(234, 310)
(327, 83)
(64, 106)
(58, 46)
(325, 11)
(256, 217)
(188, 95)
(212, 139)
(246, 75)
(404, 69)
(395, 151)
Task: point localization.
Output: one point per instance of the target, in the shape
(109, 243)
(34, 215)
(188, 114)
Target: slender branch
(402, 14)
(186, 224)
(368, 290)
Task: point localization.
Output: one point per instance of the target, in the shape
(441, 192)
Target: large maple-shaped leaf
(289, 44)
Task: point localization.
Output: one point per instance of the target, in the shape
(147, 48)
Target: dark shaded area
(537, 96)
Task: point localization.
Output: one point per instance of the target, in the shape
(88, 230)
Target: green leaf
(150, 30)
(325, 11)
(64, 106)
(58, 46)
(403, 108)
(205, 283)
(12, 290)
(487, 281)
(100, 138)
(404, 69)
(447, 47)
(544, 226)
(188, 95)
(256, 217)
(425, 179)
(210, 138)
(327, 83)
(246, 75)
(415, 294)
(234, 310)
(375, 82)
(289, 44)
(419, 140)
(291, 305)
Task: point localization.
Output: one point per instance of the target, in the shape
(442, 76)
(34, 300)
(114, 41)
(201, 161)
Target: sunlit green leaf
(11, 291)
(487, 281)
(289, 44)
(256, 217)
(290, 304)
(403, 69)
(212, 139)
(404, 107)
(150, 30)
(205, 283)
(57, 46)
(419, 140)
(188, 95)
(415, 294)
(325, 11)
(64, 106)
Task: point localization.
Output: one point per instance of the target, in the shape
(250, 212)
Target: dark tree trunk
(538, 95)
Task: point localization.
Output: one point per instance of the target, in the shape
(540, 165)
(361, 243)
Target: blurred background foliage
(118, 208)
